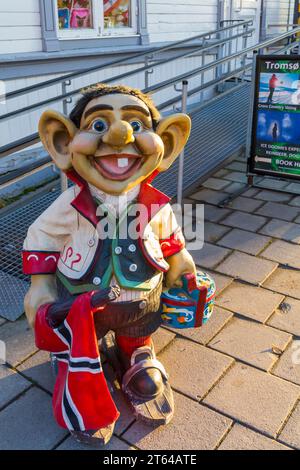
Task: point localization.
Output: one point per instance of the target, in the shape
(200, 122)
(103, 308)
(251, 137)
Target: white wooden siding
(277, 13)
(26, 124)
(170, 20)
(20, 29)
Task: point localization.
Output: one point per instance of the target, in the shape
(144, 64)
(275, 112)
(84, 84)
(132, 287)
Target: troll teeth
(122, 162)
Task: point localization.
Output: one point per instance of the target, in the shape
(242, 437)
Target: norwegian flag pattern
(81, 398)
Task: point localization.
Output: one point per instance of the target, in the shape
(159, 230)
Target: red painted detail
(129, 344)
(39, 262)
(200, 306)
(84, 202)
(76, 260)
(172, 245)
(69, 253)
(180, 303)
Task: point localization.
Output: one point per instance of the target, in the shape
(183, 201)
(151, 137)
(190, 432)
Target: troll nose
(120, 134)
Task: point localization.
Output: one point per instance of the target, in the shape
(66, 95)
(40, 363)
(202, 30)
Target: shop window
(95, 18)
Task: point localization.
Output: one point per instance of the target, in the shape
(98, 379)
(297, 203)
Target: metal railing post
(181, 156)
(244, 46)
(202, 74)
(249, 129)
(148, 72)
(66, 101)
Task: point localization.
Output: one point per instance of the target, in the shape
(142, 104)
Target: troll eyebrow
(98, 107)
(136, 108)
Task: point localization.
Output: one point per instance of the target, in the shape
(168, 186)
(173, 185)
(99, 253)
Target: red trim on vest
(39, 262)
(172, 245)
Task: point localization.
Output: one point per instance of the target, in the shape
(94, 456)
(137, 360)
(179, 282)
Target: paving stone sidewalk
(236, 380)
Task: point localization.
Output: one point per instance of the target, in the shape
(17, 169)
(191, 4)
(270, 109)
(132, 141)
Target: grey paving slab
(126, 416)
(279, 211)
(114, 444)
(251, 342)
(11, 385)
(238, 166)
(251, 192)
(28, 423)
(285, 281)
(254, 398)
(182, 360)
(209, 256)
(295, 201)
(284, 253)
(244, 221)
(242, 438)
(161, 338)
(213, 232)
(215, 183)
(288, 366)
(252, 302)
(246, 267)
(272, 184)
(38, 369)
(297, 220)
(19, 340)
(288, 231)
(293, 187)
(287, 319)
(193, 427)
(206, 332)
(245, 204)
(248, 242)
(234, 187)
(273, 196)
(214, 213)
(291, 432)
(221, 281)
(2, 321)
(209, 195)
(221, 173)
(236, 176)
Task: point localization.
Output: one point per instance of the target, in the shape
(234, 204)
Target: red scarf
(81, 398)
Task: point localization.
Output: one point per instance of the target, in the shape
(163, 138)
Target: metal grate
(13, 229)
(218, 131)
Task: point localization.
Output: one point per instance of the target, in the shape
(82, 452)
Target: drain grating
(13, 229)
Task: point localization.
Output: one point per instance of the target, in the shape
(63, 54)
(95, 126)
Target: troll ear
(56, 132)
(174, 131)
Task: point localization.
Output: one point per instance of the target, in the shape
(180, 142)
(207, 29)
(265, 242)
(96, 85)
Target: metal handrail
(10, 148)
(205, 86)
(121, 76)
(204, 68)
(154, 50)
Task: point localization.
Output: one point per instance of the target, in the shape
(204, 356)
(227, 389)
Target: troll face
(114, 138)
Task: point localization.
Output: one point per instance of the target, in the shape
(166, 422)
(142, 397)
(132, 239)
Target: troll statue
(89, 289)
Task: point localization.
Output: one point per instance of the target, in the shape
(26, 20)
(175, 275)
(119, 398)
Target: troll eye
(137, 126)
(99, 125)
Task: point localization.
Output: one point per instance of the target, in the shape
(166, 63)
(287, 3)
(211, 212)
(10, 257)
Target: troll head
(114, 137)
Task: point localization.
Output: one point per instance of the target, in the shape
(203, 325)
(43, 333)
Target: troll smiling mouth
(118, 166)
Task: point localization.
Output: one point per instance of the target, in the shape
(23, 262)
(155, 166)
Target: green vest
(115, 256)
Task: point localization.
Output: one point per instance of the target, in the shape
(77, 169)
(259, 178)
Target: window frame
(98, 31)
(52, 42)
